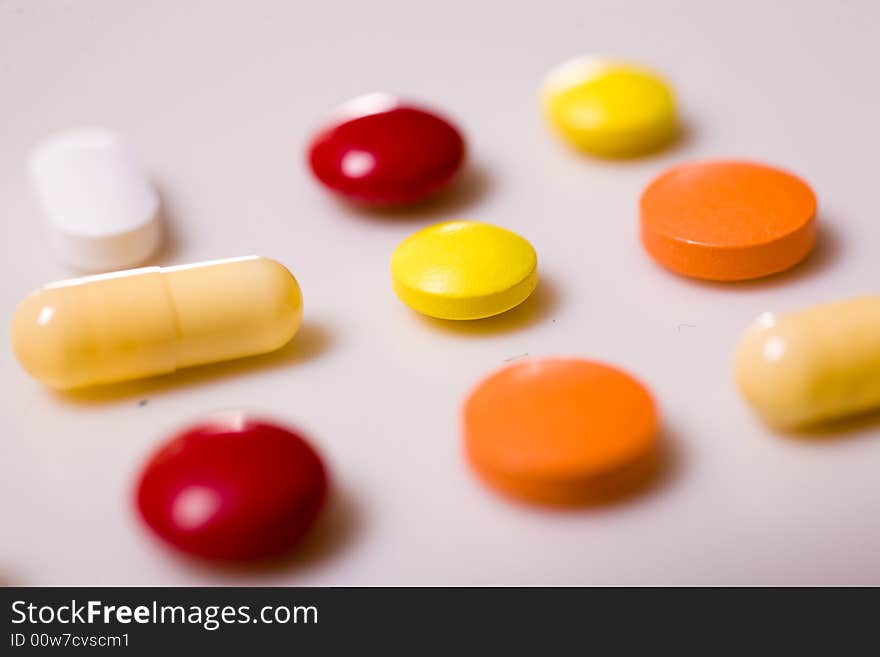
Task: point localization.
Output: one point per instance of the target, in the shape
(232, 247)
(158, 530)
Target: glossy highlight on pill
(464, 270)
(609, 107)
(803, 368)
(144, 322)
(379, 150)
(233, 488)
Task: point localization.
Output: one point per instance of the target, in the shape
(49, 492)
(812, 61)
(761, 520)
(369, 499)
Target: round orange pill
(558, 430)
(727, 220)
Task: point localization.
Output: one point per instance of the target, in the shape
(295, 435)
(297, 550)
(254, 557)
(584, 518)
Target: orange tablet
(558, 430)
(727, 220)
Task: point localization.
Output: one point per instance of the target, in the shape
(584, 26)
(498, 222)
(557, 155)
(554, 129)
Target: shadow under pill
(828, 251)
(471, 185)
(645, 477)
(861, 425)
(636, 482)
(312, 340)
(685, 136)
(334, 531)
(540, 305)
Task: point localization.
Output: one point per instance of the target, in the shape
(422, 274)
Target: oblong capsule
(803, 368)
(155, 320)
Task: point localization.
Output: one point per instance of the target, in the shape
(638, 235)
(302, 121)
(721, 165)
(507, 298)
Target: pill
(728, 220)
(608, 107)
(143, 322)
(463, 270)
(559, 430)
(232, 488)
(379, 150)
(806, 367)
(103, 213)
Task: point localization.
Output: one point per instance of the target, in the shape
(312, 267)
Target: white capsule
(102, 211)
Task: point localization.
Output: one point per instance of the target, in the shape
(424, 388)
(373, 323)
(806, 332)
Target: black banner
(418, 620)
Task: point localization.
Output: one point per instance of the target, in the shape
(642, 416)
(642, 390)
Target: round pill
(102, 211)
(558, 430)
(728, 220)
(379, 150)
(464, 270)
(232, 488)
(609, 108)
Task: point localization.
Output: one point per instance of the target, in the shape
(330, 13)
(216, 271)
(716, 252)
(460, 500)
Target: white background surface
(220, 99)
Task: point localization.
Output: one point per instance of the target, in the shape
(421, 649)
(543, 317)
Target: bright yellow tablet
(609, 108)
(464, 270)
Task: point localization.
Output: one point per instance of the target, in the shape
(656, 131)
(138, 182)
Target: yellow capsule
(464, 270)
(610, 108)
(143, 322)
(803, 368)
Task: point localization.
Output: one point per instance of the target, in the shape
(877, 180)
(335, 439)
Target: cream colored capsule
(143, 322)
(803, 368)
